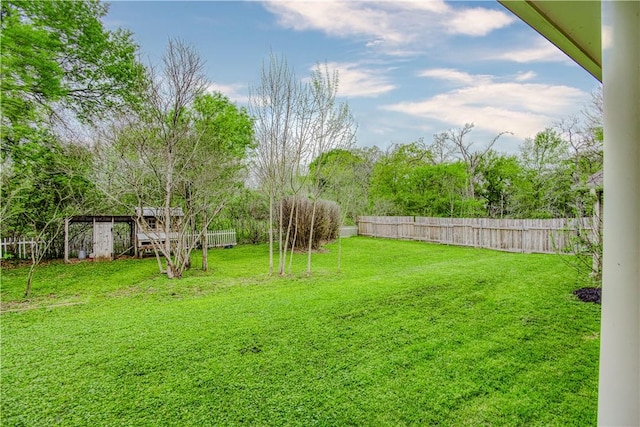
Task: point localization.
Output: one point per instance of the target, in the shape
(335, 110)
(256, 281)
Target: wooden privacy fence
(514, 235)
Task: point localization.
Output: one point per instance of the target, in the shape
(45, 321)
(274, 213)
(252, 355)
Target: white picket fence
(19, 247)
(220, 239)
(215, 239)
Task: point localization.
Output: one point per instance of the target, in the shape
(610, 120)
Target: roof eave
(574, 27)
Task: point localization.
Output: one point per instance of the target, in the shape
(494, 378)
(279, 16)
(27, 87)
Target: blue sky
(408, 69)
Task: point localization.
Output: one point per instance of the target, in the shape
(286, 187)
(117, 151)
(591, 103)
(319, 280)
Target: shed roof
(159, 212)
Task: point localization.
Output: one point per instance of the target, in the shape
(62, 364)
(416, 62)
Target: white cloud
(358, 81)
(341, 19)
(542, 51)
(391, 26)
(236, 92)
(478, 21)
(523, 77)
(521, 108)
(454, 76)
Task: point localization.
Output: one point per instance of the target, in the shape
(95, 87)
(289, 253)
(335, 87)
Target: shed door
(103, 240)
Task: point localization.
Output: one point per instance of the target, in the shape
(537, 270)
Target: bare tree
(168, 157)
(472, 158)
(441, 148)
(333, 127)
(282, 108)
(294, 123)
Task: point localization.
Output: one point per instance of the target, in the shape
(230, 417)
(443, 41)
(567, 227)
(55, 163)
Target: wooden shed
(150, 224)
(102, 241)
(147, 222)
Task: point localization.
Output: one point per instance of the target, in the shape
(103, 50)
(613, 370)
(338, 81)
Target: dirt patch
(589, 294)
(30, 305)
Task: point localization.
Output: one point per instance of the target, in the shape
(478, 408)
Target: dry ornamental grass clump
(326, 222)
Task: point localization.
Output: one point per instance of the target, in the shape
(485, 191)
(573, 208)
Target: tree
(281, 107)
(333, 128)
(501, 175)
(183, 151)
(46, 183)
(214, 177)
(344, 176)
(545, 191)
(59, 61)
(463, 147)
(294, 122)
(60, 69)
(438, 190)
(390, 173)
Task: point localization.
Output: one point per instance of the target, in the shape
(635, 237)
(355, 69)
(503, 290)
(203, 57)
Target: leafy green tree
(545, 191)
(500, 176)
(60, 69)
(389, 175)
(43, 183)
(59, 61)
(458, 141)
(407, 181)
(344, 177)
(215, 173)
(439, 190)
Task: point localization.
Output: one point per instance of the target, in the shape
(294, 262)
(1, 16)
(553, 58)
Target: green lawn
(407, 334)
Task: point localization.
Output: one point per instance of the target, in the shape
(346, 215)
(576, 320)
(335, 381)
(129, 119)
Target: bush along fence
(513, 235)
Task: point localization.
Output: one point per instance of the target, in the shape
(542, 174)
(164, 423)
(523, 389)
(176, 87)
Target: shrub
(326, 223)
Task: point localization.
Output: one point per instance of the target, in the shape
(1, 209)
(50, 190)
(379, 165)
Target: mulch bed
(589, 294)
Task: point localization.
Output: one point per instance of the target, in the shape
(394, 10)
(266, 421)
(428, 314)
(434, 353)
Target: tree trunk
(205, 244)
(295, 239)
(27, 291)
(155, 251)
(167, 212)
(271, 234)
(281, 261)
(286, 240)
(339, 251)
(313, 219)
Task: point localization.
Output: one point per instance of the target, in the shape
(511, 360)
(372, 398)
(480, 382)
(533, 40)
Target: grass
(407, 334)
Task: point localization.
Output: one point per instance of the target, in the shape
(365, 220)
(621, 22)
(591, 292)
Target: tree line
(451, 177)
